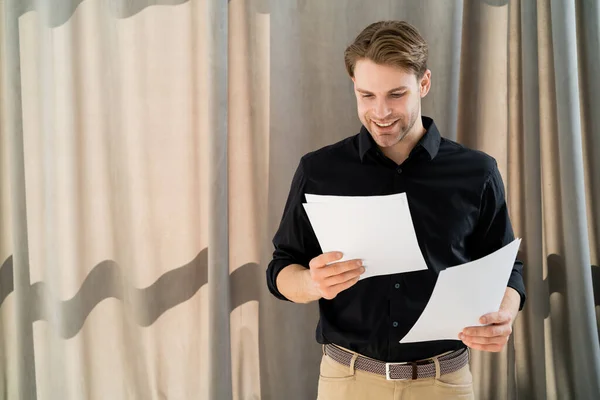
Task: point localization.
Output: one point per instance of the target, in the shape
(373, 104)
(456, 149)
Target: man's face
(388, 100)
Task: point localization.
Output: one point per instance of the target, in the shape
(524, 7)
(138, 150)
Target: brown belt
(449, 363)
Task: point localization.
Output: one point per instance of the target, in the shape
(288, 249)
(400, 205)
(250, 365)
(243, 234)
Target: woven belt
(400, 371)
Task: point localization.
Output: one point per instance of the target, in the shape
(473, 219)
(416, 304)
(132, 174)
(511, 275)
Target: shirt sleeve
(295, 241)
(494, 229)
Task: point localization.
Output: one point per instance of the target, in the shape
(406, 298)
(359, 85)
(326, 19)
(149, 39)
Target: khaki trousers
(339, 382)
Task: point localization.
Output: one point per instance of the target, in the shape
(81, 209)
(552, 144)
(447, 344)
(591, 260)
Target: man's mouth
(385, 125)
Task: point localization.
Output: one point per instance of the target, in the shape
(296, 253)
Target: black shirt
(457, 203)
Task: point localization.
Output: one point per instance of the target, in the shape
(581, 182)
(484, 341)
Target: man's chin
(387, 140)
(386, 143)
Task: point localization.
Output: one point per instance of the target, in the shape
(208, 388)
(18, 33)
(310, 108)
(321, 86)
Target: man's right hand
(329, 280)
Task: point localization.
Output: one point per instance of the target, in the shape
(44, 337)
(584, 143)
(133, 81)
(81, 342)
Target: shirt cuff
(273, 270)
(516, 282)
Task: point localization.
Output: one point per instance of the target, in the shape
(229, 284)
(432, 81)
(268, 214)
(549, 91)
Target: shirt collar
(430, 140)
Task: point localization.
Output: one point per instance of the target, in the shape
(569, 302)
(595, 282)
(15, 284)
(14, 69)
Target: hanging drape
(147, 148)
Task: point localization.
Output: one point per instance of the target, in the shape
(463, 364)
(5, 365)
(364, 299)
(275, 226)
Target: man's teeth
(384, 125)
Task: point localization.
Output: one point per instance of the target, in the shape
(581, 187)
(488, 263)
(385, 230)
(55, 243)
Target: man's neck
(401, 150)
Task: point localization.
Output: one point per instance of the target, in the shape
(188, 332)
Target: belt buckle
(387, 371)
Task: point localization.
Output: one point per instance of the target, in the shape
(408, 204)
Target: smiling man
(457, 202)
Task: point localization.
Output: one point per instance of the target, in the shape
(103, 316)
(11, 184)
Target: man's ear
(425, 83)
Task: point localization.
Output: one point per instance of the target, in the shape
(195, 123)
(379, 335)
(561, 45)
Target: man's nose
(382, 110)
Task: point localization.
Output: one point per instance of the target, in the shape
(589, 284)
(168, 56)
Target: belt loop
(323, 349)
(415, 374)
(352, 361)
(438, 370)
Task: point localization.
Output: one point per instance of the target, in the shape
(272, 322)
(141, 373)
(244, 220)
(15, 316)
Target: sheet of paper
(318, 198)
(463, 294)
(379, 232)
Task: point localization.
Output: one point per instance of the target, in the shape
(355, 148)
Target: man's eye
(397, 95)
(366, 96)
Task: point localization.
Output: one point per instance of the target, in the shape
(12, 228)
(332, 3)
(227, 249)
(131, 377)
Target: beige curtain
(147, 148)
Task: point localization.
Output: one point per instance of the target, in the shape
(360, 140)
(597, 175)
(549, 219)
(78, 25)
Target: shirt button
(395, 324)
(397, 286)
(399, 170)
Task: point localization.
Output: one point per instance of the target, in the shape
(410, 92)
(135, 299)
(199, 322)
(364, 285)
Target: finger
(332, 291)
(344, 276)
(320, 275)
(325, 258)
(499, 317)
(494, 348)
(343, 286)
(496, 340)
(488, 331)
(340, 268)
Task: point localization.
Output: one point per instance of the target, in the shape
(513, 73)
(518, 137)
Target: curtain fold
(147, 149)
(219, 372)
(588, 28)
(585, 352)
(525, 196)
(13, 122)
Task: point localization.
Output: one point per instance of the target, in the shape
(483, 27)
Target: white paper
(379, 232)
(463, 294)
(319, 198)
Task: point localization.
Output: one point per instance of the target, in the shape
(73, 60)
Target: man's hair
(395, 43)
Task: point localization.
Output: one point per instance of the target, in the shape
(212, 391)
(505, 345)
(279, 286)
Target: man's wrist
(311, 291)
(511, 302)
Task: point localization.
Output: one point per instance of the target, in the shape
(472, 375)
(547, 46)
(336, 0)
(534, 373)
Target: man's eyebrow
(390, 91)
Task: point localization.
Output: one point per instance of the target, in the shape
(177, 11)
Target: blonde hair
(395, 43)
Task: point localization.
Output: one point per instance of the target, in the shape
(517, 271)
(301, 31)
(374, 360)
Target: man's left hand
(492, 337)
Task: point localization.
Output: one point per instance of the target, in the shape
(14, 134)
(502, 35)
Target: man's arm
(295, 244)
(298, 272)
(494, 231)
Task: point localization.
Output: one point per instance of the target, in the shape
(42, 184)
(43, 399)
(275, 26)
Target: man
(457, 202)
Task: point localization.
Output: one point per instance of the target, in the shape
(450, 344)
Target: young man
(457, 202)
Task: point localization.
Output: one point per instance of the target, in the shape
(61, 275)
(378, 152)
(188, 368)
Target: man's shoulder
(468, 157)
(344, 148)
